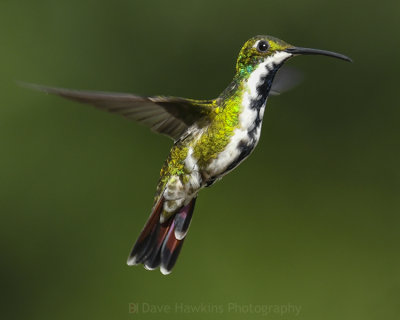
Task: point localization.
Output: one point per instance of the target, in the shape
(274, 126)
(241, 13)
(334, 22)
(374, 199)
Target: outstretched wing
(166, 115)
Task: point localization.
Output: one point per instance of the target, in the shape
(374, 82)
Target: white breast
(247, 117)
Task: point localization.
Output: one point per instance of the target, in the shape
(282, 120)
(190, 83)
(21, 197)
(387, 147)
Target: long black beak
(299, 50)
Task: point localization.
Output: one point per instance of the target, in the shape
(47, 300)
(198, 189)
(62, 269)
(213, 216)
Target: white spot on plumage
(192, 168)
(132, 261)
(165, 271)
(256, 44)
(180, 235)
(194, 182)
(190, 161)
(147, 267)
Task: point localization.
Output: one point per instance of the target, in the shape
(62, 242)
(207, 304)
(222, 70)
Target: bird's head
(273, 53)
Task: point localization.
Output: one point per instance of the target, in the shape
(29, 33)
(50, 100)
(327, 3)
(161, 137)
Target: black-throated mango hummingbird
(211, 138)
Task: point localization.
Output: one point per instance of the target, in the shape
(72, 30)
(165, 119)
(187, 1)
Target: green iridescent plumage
(211, 138)
(223, 117)
(250, 57)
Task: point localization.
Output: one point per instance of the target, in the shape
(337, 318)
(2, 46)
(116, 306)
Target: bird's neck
(246, 96)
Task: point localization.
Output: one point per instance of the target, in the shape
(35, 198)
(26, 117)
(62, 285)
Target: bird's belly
(182, 186)
(238, 149)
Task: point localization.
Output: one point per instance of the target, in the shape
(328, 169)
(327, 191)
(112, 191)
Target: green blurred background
(310, 220)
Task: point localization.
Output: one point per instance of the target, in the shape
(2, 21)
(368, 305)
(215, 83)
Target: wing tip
(32, 86)
(45, 89)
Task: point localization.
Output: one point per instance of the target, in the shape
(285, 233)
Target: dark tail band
(159, 244)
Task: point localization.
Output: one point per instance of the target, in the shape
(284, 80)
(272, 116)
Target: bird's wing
(166, 115)
(286, 78)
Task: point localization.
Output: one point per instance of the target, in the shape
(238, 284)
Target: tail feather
(146, 237)
(170, 250)
(153, 260)
(159, 244)
(182, 220)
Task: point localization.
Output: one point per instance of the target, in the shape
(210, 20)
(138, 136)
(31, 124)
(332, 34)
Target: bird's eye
(262, 46)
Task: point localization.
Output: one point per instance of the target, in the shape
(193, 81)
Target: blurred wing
(285, 79)
(166, 115)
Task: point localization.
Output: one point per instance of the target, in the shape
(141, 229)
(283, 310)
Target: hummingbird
(211, 138)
